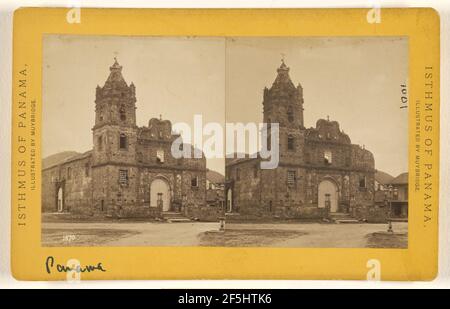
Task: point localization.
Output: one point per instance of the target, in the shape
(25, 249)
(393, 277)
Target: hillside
(57, 158)
(215, 177)
(383, 178)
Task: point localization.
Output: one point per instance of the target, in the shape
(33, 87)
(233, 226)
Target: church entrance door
(160, 194)
(328, 195)
(229, 201)
(60, 200)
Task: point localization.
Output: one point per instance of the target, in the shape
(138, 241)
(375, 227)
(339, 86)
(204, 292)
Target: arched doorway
(160, 194)
(328, 195)
(60, 200)
(229, 201)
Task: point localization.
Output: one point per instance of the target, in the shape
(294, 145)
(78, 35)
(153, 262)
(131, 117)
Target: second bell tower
(115, 130)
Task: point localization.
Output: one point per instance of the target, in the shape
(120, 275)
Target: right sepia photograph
(332, 124)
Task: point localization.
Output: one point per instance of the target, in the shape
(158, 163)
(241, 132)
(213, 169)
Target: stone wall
(98, 191)
(268, 192)
(74, 178)
(341, 155)
(49, 189)
(77, 187)
(109, 150)
(246, 184)
(193, 196)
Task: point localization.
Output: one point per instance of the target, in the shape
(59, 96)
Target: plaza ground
(293, 234)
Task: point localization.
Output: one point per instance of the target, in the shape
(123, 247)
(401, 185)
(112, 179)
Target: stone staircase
(173, 217)
(341, 217)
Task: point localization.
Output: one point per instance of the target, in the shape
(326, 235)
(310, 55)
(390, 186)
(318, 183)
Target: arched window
(290, 114)
(194, 181)
(327, 157)
(269, 135)
(123, 114)
(160, 156)
(100, 114)
(290, 142)
(123, 141)
(362, 182)
(100, 143)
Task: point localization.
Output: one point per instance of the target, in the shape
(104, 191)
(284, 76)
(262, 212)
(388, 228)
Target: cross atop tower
(116, 66)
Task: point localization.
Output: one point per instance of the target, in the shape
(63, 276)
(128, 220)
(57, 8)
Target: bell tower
(283, 104)
(115, 130)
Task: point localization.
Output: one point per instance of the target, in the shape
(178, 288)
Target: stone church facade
(320, 171)
(130, 172)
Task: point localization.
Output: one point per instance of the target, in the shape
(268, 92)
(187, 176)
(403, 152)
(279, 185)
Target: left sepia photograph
(112, 106)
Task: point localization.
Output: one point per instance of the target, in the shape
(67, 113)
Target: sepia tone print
(121, 184)
(322, 175)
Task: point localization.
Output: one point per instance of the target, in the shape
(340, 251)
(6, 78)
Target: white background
(6, 10)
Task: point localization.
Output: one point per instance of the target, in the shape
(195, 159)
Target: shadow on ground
(246, 237)
(387, 240)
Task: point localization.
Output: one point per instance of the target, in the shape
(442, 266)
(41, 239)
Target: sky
(355, 81)
(174, 77)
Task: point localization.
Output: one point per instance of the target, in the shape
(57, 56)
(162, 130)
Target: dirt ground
(56, 237)
(124, 233)
(387, 240)
(246, 238)
(294, 235)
